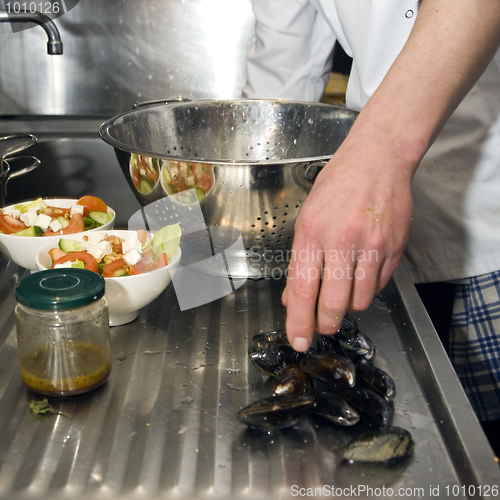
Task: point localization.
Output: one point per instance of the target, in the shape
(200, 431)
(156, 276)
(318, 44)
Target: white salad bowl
(125, 294)
(23, 249)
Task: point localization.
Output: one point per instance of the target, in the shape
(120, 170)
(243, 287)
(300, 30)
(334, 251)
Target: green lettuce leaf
(166, 240)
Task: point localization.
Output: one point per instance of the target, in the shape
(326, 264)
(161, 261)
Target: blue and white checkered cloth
(475, 343)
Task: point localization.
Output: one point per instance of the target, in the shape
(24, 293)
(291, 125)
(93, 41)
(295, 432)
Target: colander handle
(312, 169)
(156, 102)
(16, 167)
(17, 144)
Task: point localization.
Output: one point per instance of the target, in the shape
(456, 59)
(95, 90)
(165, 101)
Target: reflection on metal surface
(144, 172)
(248, 160)
(120, 52)
(179, 176)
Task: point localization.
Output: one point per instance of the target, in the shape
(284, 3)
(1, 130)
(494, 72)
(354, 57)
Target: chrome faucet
(54, 44)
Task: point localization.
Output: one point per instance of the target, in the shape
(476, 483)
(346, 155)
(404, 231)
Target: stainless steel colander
(252, 163)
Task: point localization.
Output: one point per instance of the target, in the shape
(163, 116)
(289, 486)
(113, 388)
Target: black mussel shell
(335, 409)
(389, 445)
(278, 336)
(276, 412)
(330, 343)
(349, 325)
(272, 358)
(356, 344)
(330, 367)
(293, 380)
(371, 405)
(376, 379)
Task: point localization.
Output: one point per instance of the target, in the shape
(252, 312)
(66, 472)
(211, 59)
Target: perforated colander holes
(268, 143)
(181, 148)
(271, 225)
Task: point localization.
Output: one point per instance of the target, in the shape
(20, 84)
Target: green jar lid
(60, 289)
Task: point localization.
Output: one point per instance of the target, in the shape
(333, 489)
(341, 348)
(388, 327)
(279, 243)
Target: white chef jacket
(456, 223)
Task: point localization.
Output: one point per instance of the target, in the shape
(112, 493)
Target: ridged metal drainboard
(164, 425)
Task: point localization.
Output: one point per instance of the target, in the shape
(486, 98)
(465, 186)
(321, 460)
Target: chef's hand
(361, 204)
(353, 227)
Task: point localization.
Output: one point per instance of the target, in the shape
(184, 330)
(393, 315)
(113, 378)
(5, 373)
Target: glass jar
(62, 324)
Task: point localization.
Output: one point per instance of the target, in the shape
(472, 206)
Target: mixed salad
(112, 256)
(175, 176)
(144, 172)
(39, 219)
(179, 176)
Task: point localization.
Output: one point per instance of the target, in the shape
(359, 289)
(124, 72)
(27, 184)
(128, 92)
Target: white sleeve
(291, 57)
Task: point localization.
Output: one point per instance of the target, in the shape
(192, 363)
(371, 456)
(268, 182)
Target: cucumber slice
(67, 245)
(99, 217)
(64, 222)
(200, 194)
(120, 272)
(145, 186)
(166, 175)
(31, 231)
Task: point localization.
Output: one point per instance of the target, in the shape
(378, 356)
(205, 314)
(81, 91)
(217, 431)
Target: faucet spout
(54, 44)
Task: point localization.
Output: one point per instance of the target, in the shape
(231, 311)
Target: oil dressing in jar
(62, 325)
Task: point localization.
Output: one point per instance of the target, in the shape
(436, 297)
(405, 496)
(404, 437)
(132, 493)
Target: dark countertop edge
(47, 127)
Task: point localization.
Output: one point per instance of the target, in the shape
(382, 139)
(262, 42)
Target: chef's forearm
(449, 47)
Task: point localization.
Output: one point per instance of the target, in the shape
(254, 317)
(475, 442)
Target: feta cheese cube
(183, 169)
(43, 221)
(100, 250)
(132, 243)
(63, 265)
(198, 171)
(94, 238)
(29, 218)
(55, 225)
(13, 212)
(132, 257)
(76, 209)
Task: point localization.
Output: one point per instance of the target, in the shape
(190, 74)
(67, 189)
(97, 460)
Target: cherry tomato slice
(10, 225)
(147, 263)
(92, 204)
(142, 236)
(110, 270)
(204, 183)
(87, 259)
(56, 253)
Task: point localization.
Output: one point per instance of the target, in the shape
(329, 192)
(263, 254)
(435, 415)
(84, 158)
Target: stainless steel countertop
(164, 426)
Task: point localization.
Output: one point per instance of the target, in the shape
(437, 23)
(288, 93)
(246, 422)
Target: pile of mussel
(337, 381)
